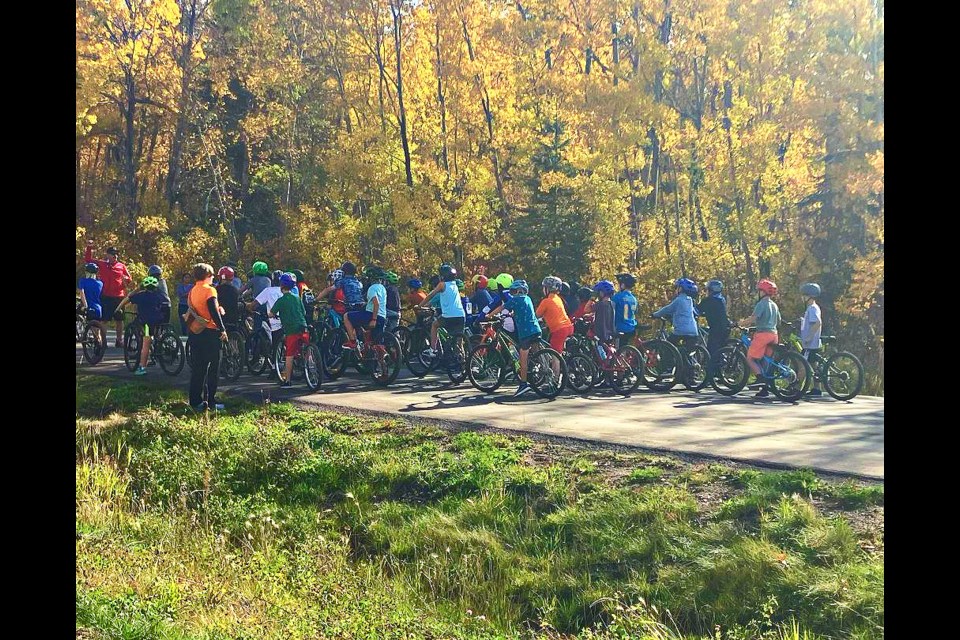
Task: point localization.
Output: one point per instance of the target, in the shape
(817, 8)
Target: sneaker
(429, 353)
(815, 393)
(200, 407)
(349, 345)
(286, 384)
(763, 393)
(522, 389)
(140, 372)
(218, 407)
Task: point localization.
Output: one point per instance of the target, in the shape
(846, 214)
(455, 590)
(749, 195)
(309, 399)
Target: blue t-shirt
(353, 291)
(91, 288)
(183, 290)
(625, 305)
(524, 316)
(148, 306)
(379, 292)
(450, 304)
(496, 299)
(480, 299)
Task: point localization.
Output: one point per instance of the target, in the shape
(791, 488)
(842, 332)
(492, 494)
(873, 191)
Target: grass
(272, 522)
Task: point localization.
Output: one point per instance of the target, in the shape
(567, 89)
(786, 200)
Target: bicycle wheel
(258, 354)
(546, 372)
(625, 373)
(485, 367)
(842, 376)
(403, 334)
(417, 363)
(312, 366)
(169, 352)
(580, 372)
(808, 375)
(231, 357)
(731, 373)
(788, 373)
(79, 328)
(456, 358)
(386, 364)
(661, 364)
(131, 348)
(280, 360)
(332, 353)
(94, 346)
(695, 368)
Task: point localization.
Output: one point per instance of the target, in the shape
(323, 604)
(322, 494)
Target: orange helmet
(767, 286)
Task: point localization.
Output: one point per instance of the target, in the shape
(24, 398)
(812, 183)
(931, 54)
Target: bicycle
(166, 349)
(497, 354)
(232, 355)
(81, 320)
(661, 359)
(694, 358)
(841, 373)
(379, 359)
(93, 340)
(784, 371)
(451, 352)
(307, 364)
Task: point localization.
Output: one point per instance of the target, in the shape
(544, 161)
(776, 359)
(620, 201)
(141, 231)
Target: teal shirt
(768, 315)
(524, 316)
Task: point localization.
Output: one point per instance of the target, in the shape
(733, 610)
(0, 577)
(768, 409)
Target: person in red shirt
(115, 276)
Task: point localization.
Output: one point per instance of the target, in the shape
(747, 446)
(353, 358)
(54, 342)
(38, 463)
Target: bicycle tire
(93, 344)
(131, 349)
(731, 371)
(838, 385)
(789, 388)
(625, 378)
(486, 368)
(456, 360)
(695, 375)
(540, 372)
(580, 372)
(231, 357)
(386, 366)
(419, 341)
(333, 354)
(312, 366)
(661, 364)
(403, 334)
(169, 352)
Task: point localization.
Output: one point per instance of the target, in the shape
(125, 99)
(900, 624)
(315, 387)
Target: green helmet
(504, 280)
(149, 282)
(261, 268)
(392, 277)
(459, 284)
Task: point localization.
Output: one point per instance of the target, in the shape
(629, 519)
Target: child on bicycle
(259, 281)
(811, 325)
(585, 308)
(151, 309)
(603, 313)
(293, 320)
(714, 309)
(90, 290)
(416, 295)
(229, 298)
(528, 329)
(452, 313)
(393, 301)
(766, 317)
(350, 285)
(552, 310)
(374, 315)
(682, 312)
(625, 307)
(499, 297)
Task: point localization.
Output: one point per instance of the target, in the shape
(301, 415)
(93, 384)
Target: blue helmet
(715, 286)
(414, 283)
(91, 267)
(687, 285)
(520, 285)
(288, 280)
(810, 289)
(604, 287)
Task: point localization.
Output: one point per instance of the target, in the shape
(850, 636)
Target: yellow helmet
(504, 280)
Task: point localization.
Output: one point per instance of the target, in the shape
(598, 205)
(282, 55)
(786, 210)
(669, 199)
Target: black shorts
(528, 342)
(109, 304)
(454, 326)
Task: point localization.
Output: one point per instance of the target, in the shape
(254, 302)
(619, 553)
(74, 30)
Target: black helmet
(434, 281)
(626, 279)
(298, 273)
(584, 294)
(373, 273)
(447, 272)
(349, 268)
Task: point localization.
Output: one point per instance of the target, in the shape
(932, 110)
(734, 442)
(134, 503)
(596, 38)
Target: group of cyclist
(372, 301)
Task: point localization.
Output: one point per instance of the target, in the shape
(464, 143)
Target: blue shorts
(93, 313)
(360, 320)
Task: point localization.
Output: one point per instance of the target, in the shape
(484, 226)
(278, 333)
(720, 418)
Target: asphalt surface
(821, 434)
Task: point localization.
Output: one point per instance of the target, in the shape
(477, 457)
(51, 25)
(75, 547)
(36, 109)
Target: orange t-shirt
(552, 311)
(198, 297)
(416, 298)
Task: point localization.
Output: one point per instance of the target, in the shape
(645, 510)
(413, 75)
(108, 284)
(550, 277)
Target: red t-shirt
(113, 275)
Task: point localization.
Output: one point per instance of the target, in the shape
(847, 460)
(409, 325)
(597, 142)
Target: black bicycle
(166, 349)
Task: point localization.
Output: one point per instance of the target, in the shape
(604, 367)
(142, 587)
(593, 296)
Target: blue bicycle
(784, 370)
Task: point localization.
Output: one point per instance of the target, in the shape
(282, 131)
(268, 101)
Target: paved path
(823, 434)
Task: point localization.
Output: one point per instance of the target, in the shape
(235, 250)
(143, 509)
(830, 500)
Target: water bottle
(601, 351)
(516, 356)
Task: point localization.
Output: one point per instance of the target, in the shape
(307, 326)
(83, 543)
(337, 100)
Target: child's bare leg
(145, 351)
(288, 371)
(523, 364)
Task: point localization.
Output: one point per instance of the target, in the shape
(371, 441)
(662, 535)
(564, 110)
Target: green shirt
(768, 315)
(289, 308)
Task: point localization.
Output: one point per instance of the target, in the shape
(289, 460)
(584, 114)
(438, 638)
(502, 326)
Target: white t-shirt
(268, 296)
(808, 337)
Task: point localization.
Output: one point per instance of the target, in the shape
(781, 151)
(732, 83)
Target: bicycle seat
(828, 339)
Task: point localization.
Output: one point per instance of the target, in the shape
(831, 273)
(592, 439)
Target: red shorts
(761, 340)
(295, 342)
(558, 337)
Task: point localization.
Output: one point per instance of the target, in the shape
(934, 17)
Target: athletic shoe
(218, 407)
(286, 384)
(200, 407)
(430, 353)
(815, 392)
(522, 389)
(763, 393)
(140, 372)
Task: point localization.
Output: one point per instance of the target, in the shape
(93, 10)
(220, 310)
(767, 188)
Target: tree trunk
(129, 155)
(738, 197)
(397, 42)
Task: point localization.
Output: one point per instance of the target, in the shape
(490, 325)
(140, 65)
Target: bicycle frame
(767, 361)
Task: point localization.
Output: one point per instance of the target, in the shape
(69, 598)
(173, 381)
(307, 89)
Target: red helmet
(226, 273)
(480, 281)
(767, 286)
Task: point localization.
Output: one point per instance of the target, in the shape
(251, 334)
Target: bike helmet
(564, 289)
(626, 279)
(480, 282)
(298, 274)
(551, 283)
(335, 276)
(447, 272)
(374, 273)
(415, 283)
(520, 285)
(155, 271)
(584, 294)
(715, 286)
(686, 285)
(767, 286)
(288, 280)
(226, 273)
(604, 287)
(349, 268)
(460, 284)
(91, 267)
(504, 280)
(434, 281)
(260, 269)
(811, 289)
(392, 277)
(149, 282)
